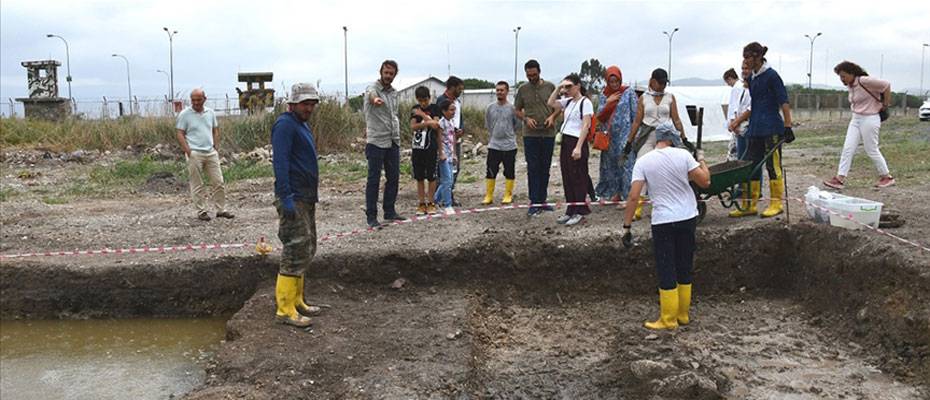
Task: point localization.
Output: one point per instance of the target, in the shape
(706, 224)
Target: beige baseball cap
(301, 92)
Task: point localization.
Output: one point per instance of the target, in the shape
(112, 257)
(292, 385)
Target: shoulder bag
(883, 114)
(601, 139)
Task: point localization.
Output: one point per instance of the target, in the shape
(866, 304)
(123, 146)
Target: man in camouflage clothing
(296, 181)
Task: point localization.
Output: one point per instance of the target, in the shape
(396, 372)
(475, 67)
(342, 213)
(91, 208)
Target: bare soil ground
(497, 305)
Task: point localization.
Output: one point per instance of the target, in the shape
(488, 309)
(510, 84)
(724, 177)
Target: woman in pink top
(867, 97)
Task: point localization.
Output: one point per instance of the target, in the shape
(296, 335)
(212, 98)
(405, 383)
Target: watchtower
(43, 101)
(253, 99)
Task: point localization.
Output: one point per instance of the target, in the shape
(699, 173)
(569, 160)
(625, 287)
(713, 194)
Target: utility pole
(128, 79)
(670, 36)
(810, 65)
(171, 34)
(881, 68)
(67, 67)
(516, 46)
(345, 54)
(923, 50)
(826, 65)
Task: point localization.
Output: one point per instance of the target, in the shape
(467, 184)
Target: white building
(407, 86)
(480, 98)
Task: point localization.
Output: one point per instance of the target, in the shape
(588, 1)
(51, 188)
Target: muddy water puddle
(105, 359)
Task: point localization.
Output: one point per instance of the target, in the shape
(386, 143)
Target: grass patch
(904, 143)
(247, 169)
(334, 128)
(345, 171)
(7, 194)
(52, 200)
(131, 173)
(467, 177)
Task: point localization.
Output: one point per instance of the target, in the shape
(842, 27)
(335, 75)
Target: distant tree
(592, 75)
(356, 102)
(475, 83)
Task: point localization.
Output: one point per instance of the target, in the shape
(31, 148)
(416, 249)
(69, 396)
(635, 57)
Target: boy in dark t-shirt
(424, 120)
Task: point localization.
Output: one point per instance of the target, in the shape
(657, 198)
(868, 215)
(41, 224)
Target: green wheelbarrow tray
(725, 175)
(725, 178)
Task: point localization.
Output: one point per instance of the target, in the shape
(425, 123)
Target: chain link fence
(115, 107)
(835, 106)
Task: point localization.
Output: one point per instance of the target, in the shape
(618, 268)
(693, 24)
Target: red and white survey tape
(330, 237)
(130, 250)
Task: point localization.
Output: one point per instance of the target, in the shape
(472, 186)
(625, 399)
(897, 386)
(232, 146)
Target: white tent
(712, 98)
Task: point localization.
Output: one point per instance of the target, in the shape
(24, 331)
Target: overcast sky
(303, 41)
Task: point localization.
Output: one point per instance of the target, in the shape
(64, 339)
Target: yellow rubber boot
(285, 295)
(684, 303)
(750, 199)
(302, 307)
(668, 314)
(638, 215)
(777, 189)
(489, 191)
(508, 191)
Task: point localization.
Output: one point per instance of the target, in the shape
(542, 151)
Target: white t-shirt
(733, 107)
(574, 114)
(666, 171)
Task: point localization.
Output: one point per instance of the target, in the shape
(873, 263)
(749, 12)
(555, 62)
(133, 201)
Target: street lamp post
(670, 36)
(128, 79)
(923, 50)
(67, 67)
(516, 46)
(168, 77)
(171, 34)
(810, 65)
(345, 54)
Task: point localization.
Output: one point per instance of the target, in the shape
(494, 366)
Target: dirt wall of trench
(192, 289)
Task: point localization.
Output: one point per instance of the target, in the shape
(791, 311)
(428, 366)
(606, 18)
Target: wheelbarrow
(725, 177)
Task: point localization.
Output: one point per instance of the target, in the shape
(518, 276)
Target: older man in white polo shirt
(198, 132)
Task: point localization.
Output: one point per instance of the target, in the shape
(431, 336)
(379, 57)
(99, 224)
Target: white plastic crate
(864, 211)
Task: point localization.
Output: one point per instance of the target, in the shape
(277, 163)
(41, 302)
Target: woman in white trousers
(868, 96)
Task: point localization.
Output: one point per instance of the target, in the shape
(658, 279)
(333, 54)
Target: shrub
(334, 127)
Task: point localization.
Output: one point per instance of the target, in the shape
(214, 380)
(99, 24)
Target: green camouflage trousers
(299, 238)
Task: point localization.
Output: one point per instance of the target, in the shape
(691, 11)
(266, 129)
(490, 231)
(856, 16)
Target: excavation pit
(798, 312)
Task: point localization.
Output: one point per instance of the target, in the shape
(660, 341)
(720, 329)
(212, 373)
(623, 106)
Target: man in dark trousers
(538, 133)
(296, 179)
(382, 148)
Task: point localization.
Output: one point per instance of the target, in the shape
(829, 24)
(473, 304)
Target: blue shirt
(294, 159)
(768, 93)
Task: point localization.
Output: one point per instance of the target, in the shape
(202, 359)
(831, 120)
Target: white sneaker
(563, 219)
(449, 210)
(575, 219)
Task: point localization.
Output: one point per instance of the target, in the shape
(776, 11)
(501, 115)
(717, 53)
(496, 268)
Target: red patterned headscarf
(608, 109)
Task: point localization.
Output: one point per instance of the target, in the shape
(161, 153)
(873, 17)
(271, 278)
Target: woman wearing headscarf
(618, 110)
